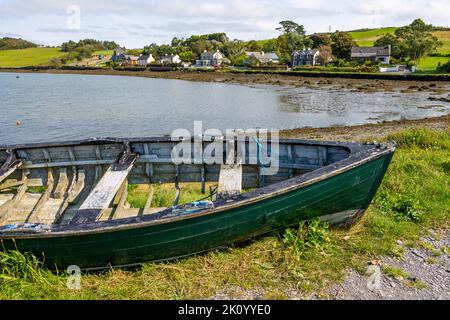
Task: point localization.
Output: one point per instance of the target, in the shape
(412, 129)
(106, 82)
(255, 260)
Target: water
(66, 107)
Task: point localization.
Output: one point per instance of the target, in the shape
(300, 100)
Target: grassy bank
(412, 199)
(28, 57)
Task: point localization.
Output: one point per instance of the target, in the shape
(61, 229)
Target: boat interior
(89, 181)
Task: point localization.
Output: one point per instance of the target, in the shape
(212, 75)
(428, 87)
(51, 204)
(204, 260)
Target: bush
(357, 69)
(445, 68)
(310, 235)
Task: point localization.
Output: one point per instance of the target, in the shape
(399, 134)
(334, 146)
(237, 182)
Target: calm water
(65, 107)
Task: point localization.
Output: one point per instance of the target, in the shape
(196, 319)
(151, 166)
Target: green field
(444, 36)
(28, 57)
(429, 64)
(104, 52)
(367, 38)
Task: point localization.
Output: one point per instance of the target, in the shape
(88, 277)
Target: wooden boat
(81, 216)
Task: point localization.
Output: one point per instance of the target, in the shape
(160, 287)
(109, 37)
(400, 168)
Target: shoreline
(366, 132)
(275, 79)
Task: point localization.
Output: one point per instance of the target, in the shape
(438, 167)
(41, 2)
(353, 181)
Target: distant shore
(312, 81)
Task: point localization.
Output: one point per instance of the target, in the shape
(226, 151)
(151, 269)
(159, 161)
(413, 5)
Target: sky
(135, 23)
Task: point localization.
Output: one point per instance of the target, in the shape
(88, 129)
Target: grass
(412, 199)
(28, 57)
(429, 64)
(444, 36)
(104, 52)
(395, 272)
(368, 37)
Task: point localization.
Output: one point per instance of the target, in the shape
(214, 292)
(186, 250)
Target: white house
(145, 60)
(210, 59)
(170, 59)
(305, 57)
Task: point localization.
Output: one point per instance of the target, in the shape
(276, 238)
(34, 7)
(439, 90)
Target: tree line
(410, 42)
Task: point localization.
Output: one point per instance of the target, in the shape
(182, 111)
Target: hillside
(12, 44)
(28, 57)
(368, 37)
(426, 64)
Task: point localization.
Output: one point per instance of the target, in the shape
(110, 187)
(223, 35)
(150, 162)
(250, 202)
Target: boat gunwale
(351, 146)
(364, 155)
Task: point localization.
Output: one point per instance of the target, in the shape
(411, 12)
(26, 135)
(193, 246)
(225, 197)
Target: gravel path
(427, 275)
(424, 275)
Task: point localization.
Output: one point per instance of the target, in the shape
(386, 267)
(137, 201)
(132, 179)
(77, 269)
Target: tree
(254, 46)
(319, 40)
(293, 38)
(220, 37)
(418, 39)
(341, 46)
(291, 27)
(445, 68)
(271, 45)
(326, 55)
(159, 51)
(234, 49)
(200, 46)
(187, 56)
(397, 47)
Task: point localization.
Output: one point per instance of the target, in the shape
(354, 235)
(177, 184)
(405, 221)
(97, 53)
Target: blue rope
(259, 147)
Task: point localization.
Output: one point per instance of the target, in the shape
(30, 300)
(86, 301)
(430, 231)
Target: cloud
(10, 35)
(138, 22)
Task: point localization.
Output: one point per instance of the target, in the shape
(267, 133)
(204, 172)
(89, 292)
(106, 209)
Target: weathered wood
(148, 204)
(98, 169)
(69, 194)
(230, 180)
(11, 164)
(203, 169)
(104, 192)
(63, 184)
(10, 184)
(7, 209)
(34, 216)
(78, 187)
(177, 186)
(290, 159)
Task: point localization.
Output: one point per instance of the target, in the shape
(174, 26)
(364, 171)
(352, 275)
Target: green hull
(340, 198)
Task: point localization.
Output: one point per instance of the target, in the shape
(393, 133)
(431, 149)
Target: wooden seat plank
(230, 180)
(104, 192)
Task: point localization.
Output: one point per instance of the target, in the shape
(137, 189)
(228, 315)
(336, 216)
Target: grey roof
(309, 51)
(119, 51)
(263, 55)
(130, 57)
(367, 52)
(144, 57)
